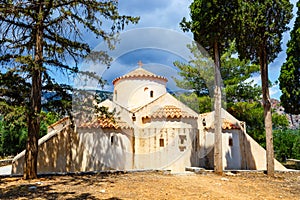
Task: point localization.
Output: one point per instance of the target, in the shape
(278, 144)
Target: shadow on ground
(42, 188)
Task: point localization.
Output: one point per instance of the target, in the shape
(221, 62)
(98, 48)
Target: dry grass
(154, 185)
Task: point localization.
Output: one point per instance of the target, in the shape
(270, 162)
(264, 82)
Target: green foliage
(235, 74)
(279, 121)
(260, 28)
(12, 138)
(290, 71)
(103, 112)
(48, 118)
(253, 114)
(287, 144)
(200, 104)
(261, 25)
(63, 25)
(212, 21)
(198, 75)
(13, 132)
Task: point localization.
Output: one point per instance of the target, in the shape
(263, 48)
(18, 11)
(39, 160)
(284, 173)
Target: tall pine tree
(262, 24)
(39, 35)
(289, 79)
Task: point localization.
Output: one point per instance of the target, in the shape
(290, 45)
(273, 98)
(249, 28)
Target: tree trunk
(292, 120)
(218, 163)
(267, 110)
(31, 154)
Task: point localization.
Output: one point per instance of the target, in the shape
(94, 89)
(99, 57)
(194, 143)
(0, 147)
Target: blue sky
(159, 53)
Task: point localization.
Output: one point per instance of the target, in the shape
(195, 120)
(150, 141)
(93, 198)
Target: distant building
(152, 130)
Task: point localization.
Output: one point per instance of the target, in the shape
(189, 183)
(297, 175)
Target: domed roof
(140, 72)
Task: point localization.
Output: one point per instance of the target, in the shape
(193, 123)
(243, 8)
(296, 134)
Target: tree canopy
(289, 79)
(197, 76)
(212, 21)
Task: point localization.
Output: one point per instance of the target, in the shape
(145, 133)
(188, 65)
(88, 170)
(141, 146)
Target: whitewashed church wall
(160, 148)
(104, 149)
(231, 149)
(206, 152)
(134, 93)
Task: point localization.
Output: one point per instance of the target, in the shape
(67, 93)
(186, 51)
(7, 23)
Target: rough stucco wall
(17, 166)
(206, 152)
(179, 145)
(98, 151)
(231, 152)
(245, 153)
(255, 156)
(67, 151)
(53, 154)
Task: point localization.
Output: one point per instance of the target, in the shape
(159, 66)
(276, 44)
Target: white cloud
(156, 13)
(256, 79)
(167, 15)
(275, 92)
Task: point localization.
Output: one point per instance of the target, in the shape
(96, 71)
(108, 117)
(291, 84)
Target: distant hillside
(104, 95)
(294, 120)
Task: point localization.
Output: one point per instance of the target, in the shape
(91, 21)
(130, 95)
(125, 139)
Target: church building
(151, 130)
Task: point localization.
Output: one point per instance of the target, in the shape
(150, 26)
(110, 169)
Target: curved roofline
(139, 73)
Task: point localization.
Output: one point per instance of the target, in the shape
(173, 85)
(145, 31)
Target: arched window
(151, 93)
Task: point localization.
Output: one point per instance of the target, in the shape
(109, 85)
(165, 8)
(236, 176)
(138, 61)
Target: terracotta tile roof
(105, 123)
(226, 125)
(140, 72)
(58, 122)
(169, 111)
(204, 114)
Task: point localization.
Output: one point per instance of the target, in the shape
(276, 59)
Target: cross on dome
(140, 64)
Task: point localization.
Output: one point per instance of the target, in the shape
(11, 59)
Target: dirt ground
(155, 185)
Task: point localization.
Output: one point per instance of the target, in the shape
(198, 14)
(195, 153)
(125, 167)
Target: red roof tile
(169, 111)
(140, 72)
(105, 123)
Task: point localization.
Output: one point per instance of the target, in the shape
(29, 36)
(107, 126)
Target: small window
(112, 139)
(230, 141)
(146, 120)
(133, 117)
(161, 142)
(182, 139)
(204, 122)
(145, 89)
(151, 93)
